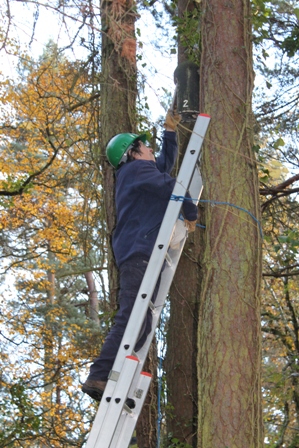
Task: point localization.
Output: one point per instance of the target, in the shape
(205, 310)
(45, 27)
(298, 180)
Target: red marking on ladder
(204, 115)
(146, 374)
(134, 358)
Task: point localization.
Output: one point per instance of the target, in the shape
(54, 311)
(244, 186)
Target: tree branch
(280, 187)
(29, 179)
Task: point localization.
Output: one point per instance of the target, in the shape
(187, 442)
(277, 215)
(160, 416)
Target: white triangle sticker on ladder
(115, 422)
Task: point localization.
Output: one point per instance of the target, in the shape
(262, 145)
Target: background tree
(118, 106)
(183, 317)
(47, 230)
(276, 38)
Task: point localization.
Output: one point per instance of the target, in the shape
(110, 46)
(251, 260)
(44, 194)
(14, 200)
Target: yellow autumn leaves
(50, 222)
(47, 152)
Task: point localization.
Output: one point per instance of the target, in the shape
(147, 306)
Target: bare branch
(280, 187)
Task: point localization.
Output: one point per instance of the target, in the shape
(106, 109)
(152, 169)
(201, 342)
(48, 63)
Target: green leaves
(260, 17)
(278, 143)
(291, 239)
(188, 30)
(175, 443)
(276, 22)
(15, 184)
(290, 45)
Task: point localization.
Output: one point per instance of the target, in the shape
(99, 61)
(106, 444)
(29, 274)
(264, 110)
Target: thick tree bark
(147, 422)
(118, 97)
(229, 331)
(180, 362)
(118, 114)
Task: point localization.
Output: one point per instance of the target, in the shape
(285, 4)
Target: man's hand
(191, 225)
(172, 120)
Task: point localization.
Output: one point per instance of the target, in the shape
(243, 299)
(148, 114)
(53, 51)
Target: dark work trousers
(131, 273)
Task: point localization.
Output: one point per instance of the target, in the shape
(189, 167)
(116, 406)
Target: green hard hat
(118, 146)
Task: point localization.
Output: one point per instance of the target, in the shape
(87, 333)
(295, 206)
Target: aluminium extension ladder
(115, 422)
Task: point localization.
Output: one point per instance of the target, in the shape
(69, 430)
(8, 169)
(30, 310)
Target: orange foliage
(50, 222)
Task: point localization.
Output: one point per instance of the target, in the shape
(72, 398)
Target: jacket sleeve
(166, 158)
(189, 209)
(149, 178)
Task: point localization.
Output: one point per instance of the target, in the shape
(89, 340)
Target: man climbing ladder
(115, 421)
(143, 190)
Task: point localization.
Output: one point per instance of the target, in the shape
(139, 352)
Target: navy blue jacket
(143, 189)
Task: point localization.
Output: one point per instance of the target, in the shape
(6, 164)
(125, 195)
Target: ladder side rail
(125, 428)
(166, 280)
(137, 316)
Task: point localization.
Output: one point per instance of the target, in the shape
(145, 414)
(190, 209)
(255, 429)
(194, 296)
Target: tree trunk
(93, 298)
(147, 422)
(118, 114)
(118, 98)
(229, 333)
(49, 357)
(180, 363)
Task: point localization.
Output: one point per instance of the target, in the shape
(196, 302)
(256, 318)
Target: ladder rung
(152, 306)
